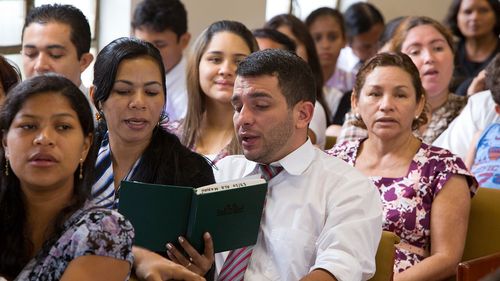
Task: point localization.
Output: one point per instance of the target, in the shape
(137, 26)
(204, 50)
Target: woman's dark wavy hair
(330, 12)
(106, 67)
(160, 160)
(15, 245)
(451, 18)
(10, 74)
(401, 61)
(301, 31)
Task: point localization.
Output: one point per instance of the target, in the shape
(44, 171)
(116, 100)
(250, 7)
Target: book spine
(193, 213)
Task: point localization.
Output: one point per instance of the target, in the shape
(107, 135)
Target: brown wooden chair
(475, 269)
(483, 234)
(330, 142)
(385, 257)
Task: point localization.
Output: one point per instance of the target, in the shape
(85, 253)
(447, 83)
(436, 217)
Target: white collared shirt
(347, 60)
(318, 125)
(85, 90)
(177, 98)
(478, 113)
(319, 213)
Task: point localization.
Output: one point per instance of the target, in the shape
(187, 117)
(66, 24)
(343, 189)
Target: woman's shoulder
(434, 155)
(94, 231)
(173, 127)
(99, 222)
(441, 164)
(431, 151)
(345, 150)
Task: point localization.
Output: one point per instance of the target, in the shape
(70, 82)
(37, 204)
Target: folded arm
(449, 219)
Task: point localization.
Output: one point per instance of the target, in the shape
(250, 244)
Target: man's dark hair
(295, 77)
(360, 18)
(493, 78)
(66, 14)
(160, 15)
(275, 36)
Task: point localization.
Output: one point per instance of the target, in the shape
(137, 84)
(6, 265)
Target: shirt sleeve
(349, 240)
(444, 166)
(104, 233)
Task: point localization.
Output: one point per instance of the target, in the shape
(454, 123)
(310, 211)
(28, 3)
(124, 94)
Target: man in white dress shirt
(163, 23)
(322, 218)
(56, 38)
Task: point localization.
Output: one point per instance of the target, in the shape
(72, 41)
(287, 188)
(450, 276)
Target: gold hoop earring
(81, 168)
(6, 166)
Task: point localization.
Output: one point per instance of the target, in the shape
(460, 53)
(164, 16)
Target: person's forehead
(257, 80)
(50, 33)
(255, 86)
(156, 37)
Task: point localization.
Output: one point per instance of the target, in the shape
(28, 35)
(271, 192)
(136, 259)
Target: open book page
(216, 187)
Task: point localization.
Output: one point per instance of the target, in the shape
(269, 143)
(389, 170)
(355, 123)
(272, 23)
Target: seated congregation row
(270, 99)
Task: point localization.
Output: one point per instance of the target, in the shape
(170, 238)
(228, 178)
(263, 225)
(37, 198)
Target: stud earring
(98, 116)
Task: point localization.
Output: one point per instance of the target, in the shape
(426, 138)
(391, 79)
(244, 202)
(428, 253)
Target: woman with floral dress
(425, 190)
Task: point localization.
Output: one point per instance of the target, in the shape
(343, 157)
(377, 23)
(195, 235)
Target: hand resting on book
(197, 263)
(150, 266)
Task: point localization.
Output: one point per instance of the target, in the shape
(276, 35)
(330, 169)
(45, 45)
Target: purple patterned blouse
(89, 231)
(407, 201)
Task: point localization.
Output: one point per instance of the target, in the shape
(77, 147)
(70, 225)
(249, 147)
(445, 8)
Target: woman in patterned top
(48, 228)
(425, 190)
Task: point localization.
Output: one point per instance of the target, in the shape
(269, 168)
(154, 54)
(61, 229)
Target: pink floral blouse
(407, 201)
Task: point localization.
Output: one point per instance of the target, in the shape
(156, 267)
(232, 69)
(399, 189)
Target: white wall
(202, 13)
(114, 19)
(435, 9)
(115, 15)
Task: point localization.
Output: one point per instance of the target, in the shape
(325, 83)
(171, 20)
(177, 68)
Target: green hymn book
(230, 211)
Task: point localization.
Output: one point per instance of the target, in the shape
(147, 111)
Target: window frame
(28, 5)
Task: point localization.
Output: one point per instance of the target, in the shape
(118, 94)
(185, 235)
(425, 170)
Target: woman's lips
(136, 123)
(42, 159)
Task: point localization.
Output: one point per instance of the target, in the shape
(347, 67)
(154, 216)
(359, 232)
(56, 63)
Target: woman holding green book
(129, 92)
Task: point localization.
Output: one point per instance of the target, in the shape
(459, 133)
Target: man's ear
(184, 40)
(304, 110)
(85, 61)
(91, 94)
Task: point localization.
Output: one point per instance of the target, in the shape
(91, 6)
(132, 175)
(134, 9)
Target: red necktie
(237, 261)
